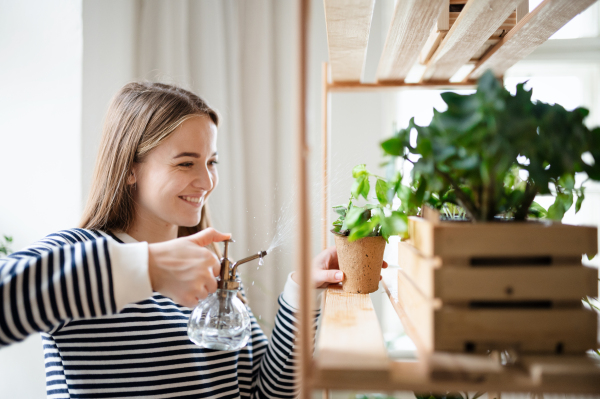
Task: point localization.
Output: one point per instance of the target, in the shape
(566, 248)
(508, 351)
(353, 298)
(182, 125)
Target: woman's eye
(213, 162)
(186, 164)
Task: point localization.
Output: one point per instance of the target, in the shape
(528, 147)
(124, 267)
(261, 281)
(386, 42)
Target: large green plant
(471, 154)
(371, 219)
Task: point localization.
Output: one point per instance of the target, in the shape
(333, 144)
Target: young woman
(112, 298)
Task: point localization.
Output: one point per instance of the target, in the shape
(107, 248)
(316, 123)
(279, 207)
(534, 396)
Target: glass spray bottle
(221, 321)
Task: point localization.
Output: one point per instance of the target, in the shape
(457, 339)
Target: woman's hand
(183, 269)
(326, 269)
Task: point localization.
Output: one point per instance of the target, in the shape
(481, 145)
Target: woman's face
(176, 177)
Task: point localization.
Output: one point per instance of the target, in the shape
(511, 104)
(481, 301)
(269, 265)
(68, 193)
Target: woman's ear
(131, 177)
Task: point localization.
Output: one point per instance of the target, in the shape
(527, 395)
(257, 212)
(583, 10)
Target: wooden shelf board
(407, 35)
(348, 26)
(350, 337)
(475, 24)
(529, 33)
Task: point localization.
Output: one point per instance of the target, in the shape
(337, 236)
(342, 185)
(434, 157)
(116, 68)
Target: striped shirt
(105, 334)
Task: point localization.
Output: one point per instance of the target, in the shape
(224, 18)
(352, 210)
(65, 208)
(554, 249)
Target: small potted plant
(488, 155)
(361, 232)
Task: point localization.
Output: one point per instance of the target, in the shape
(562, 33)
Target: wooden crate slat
(350, 337)
(527, 283)
(410, 27)
(451, 284)
(390, 284)
(531, 31)
(348, 26)
(465, 240)
(565, 370)
(463, 329)
(478, 20)
(542, 331)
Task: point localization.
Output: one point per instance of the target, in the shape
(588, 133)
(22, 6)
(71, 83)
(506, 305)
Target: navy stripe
(99, 282)
(14, 291)
(110, 278)
(88, 283)
(75, 279)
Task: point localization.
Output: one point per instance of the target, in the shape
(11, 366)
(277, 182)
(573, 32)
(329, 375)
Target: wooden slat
(350, 337)
(526, 330)
(478, 20)
(531, 31)
(464, 240)
(522, 10)
(408, 33)
(348, 25)
(452, 284)
(579, 370)
(558, 284)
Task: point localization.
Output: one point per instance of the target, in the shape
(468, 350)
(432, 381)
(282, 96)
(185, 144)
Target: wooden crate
(474, 287)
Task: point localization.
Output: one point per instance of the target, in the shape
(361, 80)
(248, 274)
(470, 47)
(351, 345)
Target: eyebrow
(191, 154)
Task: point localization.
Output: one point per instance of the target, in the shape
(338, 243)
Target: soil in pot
(361, 262)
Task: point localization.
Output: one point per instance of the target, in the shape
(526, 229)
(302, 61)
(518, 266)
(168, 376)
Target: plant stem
(523, 209)
(461, 197)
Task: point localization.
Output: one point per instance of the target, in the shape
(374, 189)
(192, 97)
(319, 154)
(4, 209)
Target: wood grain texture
(452, 283)
(478, 20)
(410, 28)
(348, 26)
(464, 240)
(464, 329)
(531, 31)
(549, 331)
(350, 336)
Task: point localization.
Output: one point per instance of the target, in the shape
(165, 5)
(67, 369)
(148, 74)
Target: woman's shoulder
(60, 239)
(75, 235)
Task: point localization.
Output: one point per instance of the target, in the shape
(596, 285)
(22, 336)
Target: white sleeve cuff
(291, 294)
(131, 281)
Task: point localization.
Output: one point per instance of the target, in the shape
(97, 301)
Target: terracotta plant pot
(361, 262)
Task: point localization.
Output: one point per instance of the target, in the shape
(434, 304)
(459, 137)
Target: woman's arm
(68, 275)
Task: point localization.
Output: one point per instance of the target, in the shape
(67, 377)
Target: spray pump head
(228, 273)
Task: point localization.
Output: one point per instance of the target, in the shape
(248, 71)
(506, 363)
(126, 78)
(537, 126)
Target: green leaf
(357, 186)
(340, 210)
(366, 187)
(580, 198)
(364, 230)
(556, 211)
(354, 217)
(393, 146)
(396, 223)
(381, 189)
(359, 171)
(538, 211)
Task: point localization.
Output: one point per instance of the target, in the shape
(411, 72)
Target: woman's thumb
(208, 236)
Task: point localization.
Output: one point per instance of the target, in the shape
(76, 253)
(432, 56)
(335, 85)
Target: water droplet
(261, 262)
(257, 268)
(253, 283)
(259, 317)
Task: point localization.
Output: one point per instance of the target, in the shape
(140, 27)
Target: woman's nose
(204, 180)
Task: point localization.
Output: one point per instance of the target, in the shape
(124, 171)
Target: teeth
(192, 199)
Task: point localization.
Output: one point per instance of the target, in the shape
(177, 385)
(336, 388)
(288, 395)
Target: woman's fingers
(208, 236)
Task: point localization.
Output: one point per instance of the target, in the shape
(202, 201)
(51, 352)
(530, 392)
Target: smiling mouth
(193, 200)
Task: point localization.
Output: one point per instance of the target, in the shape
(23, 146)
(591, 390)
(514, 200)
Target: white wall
(108, 64)
(40, 156)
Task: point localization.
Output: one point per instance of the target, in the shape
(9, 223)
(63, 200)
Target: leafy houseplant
(361, 232)
(490, 153)
(471, 154)
(5, 246)
(370, 220)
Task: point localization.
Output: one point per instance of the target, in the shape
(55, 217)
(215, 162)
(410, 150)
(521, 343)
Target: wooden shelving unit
(444, 36)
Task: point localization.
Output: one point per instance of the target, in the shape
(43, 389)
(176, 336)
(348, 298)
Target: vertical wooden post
(522, 10)
(325, 144)
(305, 332)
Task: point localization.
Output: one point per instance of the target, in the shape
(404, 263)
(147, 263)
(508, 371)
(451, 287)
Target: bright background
(62, 61)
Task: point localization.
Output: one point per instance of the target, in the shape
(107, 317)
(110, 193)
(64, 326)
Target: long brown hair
(140, 117)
